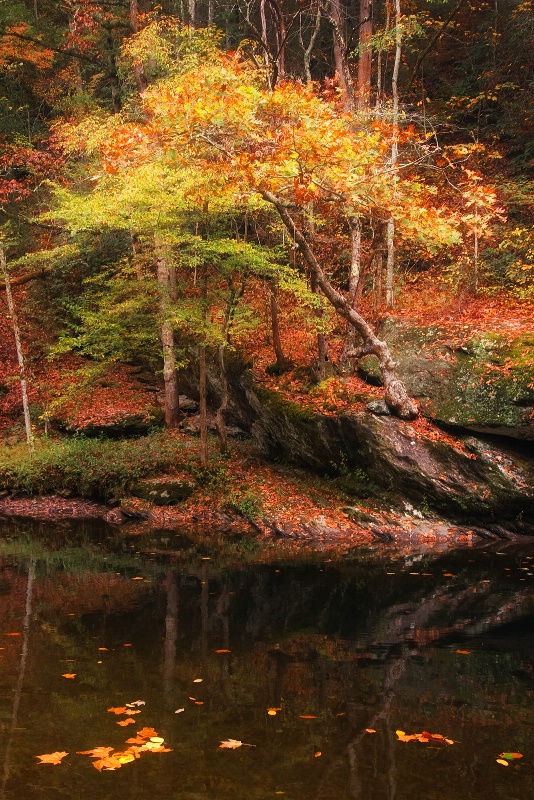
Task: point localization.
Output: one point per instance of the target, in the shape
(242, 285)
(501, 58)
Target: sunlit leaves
(233, 744)
(425, 737)
(52, 758)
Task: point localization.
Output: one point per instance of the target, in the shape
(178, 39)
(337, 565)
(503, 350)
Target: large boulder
(483, 382)
(468, 479)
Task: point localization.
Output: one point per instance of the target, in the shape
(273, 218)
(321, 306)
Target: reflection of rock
(485, 383)
(164, 492)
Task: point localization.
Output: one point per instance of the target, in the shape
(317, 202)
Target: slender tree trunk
(311, 44)
(365, 57)
(192, 12)
(354, 279)
(140, 77)
(170, 378)
(18, 346)
(282, 363)
(337, 14)
(390, 268)
(223, 405)
(395, 395)
(203, 384)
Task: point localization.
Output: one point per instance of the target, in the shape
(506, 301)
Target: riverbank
(242, 494)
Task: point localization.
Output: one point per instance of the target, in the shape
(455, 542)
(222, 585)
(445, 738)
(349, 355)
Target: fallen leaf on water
(448, 575)
(317, 754)
(102, 648)
(307, 716)
(124, 722)
(154, 747)
(70, 675)
(232, 744)
(136, 740)
(146, 733)
(425, 736)
(136, 703)
(127, 645)
(502, 761)
(157, 739)
(137, 578)
(119, 710)
(199, 702)
(179, 710)
(198, 680)
(273, 711)
(52, 758)
(370, 730)
(223, 651)
(96, 752)
(12, 634)
(510, 756)
(107, 763)
(464, 652)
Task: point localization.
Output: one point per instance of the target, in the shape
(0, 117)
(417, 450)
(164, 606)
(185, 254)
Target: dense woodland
(187, 181)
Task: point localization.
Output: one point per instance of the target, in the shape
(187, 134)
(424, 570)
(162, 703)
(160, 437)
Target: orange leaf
(70, 675)
(307, 716)
(119, 710)
(96, 752)
(317, 754)
(146, 733)
(370, 730)
(124, 722)
(464, 652)
(52, 758)
(107, 763)
(222, 651)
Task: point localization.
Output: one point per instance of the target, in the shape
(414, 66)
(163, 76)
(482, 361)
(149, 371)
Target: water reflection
(335, 646)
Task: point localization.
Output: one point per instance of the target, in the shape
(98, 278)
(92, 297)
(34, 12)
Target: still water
(312, 661)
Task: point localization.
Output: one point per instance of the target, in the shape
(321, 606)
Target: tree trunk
(365, 54)
(223, 405)
(396, 395)
(140, 77)
(390, 268)
(337, 13)
(282, 363)
(203, 406)
(354, 279)
(18, 346)
(170, 378)
(311, 44)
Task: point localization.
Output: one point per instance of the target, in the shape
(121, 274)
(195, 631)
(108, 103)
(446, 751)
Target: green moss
(276, 402)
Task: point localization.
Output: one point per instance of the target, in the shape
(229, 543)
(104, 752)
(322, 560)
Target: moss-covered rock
(484, 383)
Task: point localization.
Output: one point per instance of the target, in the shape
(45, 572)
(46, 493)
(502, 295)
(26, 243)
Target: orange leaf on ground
(52, 758)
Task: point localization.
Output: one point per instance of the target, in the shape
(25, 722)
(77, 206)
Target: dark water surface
(337, 644)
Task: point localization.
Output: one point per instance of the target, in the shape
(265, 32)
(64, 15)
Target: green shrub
(98, 468)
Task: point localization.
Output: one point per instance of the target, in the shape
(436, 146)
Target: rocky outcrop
(483, 382)
(468, 478)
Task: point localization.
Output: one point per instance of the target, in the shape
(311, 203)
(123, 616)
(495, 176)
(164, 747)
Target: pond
(310, 662)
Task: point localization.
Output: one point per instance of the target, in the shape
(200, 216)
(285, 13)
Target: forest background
(185, 182)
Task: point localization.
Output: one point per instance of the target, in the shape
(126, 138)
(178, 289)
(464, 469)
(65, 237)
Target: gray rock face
(469, 479)
(483, 382)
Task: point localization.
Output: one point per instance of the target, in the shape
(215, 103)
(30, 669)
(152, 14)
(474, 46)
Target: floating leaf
(198, 680)
(52, 758)
(503, 762)
(146, 733)
(307, 716)
(96, 752)
(124, 722)
(179, 710)
(370, 730)
(222, 651)
(425, 736)
(317, 754)
(119, 710)
(107, 763)
(464, 652)
(157, 739)
(102, 648)
(136, 703)
(273, 711)
(510, 756)
(70, 675)
(15, 634)
(231, 744)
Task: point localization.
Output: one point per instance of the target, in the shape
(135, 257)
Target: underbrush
(96, 468)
